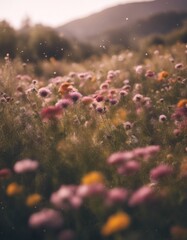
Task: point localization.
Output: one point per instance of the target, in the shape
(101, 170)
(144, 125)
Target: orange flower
(92, 178)
(183, 168)
(13, 189)
(65, 87)
(182, 103)
(179, 232)
(116, 223)
(162, 75)
(33, 199)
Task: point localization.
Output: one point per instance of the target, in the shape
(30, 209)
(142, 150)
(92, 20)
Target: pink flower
(75, 202)
(142, 195)
(66, 197)
(161, 171)
(137, 98)
(129, 168)
(178, 66)
(51, 112)
(25, 165)
(146, 152)
(123, 93)
(127, 125)
(116, 195)
(162, 118)
(120, 157)
(91, 190)
(46, 218)
(87, 100)
(104, 86)
(139, 69)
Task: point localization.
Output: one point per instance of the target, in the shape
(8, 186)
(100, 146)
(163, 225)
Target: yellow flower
(13, 189)
(92, 178)
(119, 117)
(33, 199)
(182, 103)
(116, 223)
(162, 75)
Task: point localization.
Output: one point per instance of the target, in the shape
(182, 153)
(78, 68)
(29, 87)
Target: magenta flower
(26, 165)
(180, 113)
(142, 195)
(51, 112)
(149, 73)
(5, 172)
(75, 96)
(160, 172)
(113, 101)
(99, 98)
(100, 109)
(46, 218)
(66, 235)
(44, 92)
(63, 103)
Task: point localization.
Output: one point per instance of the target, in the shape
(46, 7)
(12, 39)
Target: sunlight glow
(53, 13)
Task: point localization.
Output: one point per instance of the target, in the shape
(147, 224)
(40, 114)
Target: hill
(119, 16)
(157, 25)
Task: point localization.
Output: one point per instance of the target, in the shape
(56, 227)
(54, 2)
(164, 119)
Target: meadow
(96, 149)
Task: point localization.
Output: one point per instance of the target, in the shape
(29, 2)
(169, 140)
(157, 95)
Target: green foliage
(8, 39)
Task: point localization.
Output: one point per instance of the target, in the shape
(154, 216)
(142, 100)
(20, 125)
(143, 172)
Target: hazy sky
(52, 12)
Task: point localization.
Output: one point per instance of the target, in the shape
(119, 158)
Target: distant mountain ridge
(118, 17)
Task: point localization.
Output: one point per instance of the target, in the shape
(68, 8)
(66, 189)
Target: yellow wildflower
(13, 189)
(119, 117)
(116, 223)
(162, 75)
(92, 178)
(182, 103)
(33, 199)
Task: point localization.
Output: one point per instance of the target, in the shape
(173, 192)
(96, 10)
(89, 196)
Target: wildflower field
(97, 150)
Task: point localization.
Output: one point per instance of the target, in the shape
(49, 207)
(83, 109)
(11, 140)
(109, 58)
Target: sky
(52, 12)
